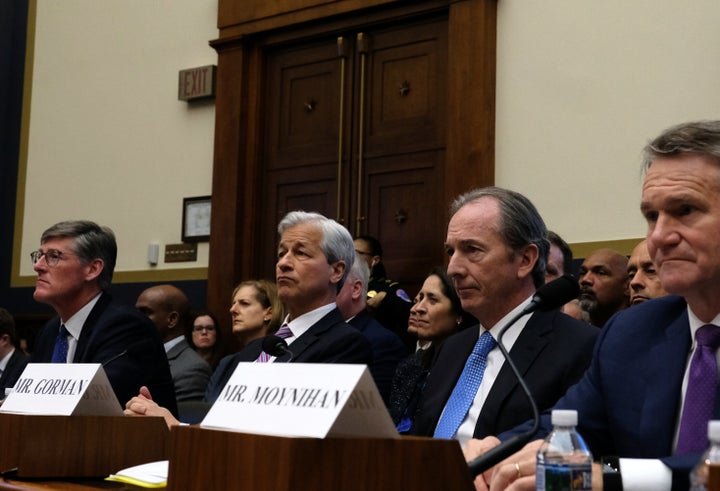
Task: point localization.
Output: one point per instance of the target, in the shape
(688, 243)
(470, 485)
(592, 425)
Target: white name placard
(302, 400)
(63, 389)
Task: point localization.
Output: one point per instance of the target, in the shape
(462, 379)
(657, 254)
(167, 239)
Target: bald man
(642, 274)
(169, 309)
(603, 285)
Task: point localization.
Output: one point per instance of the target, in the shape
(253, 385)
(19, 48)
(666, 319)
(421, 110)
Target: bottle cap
(714, 430)
(564, 417)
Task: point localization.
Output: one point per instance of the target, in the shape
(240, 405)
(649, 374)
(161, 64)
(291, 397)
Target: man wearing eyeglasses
(74, 267)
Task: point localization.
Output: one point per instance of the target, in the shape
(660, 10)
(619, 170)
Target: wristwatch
(612, 479)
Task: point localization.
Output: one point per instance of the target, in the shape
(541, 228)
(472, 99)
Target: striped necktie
(283, 332)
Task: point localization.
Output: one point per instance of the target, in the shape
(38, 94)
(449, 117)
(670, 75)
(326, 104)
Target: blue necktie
(700, 393)
(60, 351)
(466, 388)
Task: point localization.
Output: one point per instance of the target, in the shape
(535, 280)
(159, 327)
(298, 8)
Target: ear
(173, 318)
(267, 316)
(527, 258)
(94, 268)
(375, 260)
(337, 270)
(357, 288)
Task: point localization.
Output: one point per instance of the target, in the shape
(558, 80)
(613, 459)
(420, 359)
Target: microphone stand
(508, 447)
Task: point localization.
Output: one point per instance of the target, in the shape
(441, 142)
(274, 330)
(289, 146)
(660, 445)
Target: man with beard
(603, 285)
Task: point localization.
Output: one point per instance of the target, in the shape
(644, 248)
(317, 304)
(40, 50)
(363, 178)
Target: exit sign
(196, 83)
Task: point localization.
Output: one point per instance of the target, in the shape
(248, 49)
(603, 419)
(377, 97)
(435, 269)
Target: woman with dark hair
(205, 336)
(436, 314)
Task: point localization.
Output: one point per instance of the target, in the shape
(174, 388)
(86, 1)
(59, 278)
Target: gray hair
(90, 241)
(520, 223)
(360, 271)
(336, 243)
(696, 137)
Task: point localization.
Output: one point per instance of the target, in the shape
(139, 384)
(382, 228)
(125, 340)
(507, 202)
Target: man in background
(74, 266)
(12, 359)
(603, 285)
(560, 258)
(386, 346)
(642, 275)
(169, 309)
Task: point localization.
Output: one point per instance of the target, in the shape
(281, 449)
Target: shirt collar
(75, 323)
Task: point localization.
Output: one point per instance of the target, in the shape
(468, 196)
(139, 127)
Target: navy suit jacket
(13, 370)
(125, 341)
(329, 340)
(387, 349)
(628, 402)
(552, 352)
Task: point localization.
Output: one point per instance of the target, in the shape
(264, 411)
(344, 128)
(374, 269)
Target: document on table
(150, 475)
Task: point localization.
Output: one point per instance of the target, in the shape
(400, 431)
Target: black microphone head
(557, 293)
(274, 345)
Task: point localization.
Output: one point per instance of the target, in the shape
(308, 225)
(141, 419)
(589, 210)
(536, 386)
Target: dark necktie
(60, 351)
(466, 388)
(283, 332)
(700, 394)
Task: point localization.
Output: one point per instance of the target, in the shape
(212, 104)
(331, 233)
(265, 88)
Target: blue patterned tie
(283, 332)
(700, 393)
(466, 388)
(60, 351)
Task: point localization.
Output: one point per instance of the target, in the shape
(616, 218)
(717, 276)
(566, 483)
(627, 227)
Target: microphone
(119, 355)
(276, 346)
(548, 297)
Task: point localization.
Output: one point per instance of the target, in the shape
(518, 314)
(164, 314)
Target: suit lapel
(527, 346)
(89, 325)
(662, 381)
(309, 337)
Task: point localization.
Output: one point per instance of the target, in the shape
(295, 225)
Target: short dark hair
(520, 223)
(7, 326)
(91, 241)
(448, 289)
(564, 249)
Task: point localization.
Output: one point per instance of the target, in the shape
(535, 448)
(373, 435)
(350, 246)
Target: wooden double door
(353, 127)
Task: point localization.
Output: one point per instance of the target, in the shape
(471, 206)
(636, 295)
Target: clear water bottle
(706, 474)
(564, 462)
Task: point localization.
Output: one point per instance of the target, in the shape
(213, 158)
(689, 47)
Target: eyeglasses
(203, 328)
(52, 256)
(362, 253)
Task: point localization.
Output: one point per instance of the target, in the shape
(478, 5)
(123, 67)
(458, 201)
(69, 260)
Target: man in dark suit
(12, 359)
(74, 267)
(498, 248)
(314, 257)
(169, 309)
(388, 349)
(644, 382)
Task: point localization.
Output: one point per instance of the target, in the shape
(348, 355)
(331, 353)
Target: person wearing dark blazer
(551, 352)
(315, 254)
(646, 398)
(12, 359)
(498, 248)
(169, 309)
(387, 348)
(74, 267)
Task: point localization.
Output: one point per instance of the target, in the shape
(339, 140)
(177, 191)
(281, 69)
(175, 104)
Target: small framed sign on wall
(196, 219)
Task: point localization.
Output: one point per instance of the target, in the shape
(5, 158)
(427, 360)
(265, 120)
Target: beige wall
(582, 85)
(108, 139)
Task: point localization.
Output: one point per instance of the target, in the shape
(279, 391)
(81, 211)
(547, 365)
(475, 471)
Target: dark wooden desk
(66, 485)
